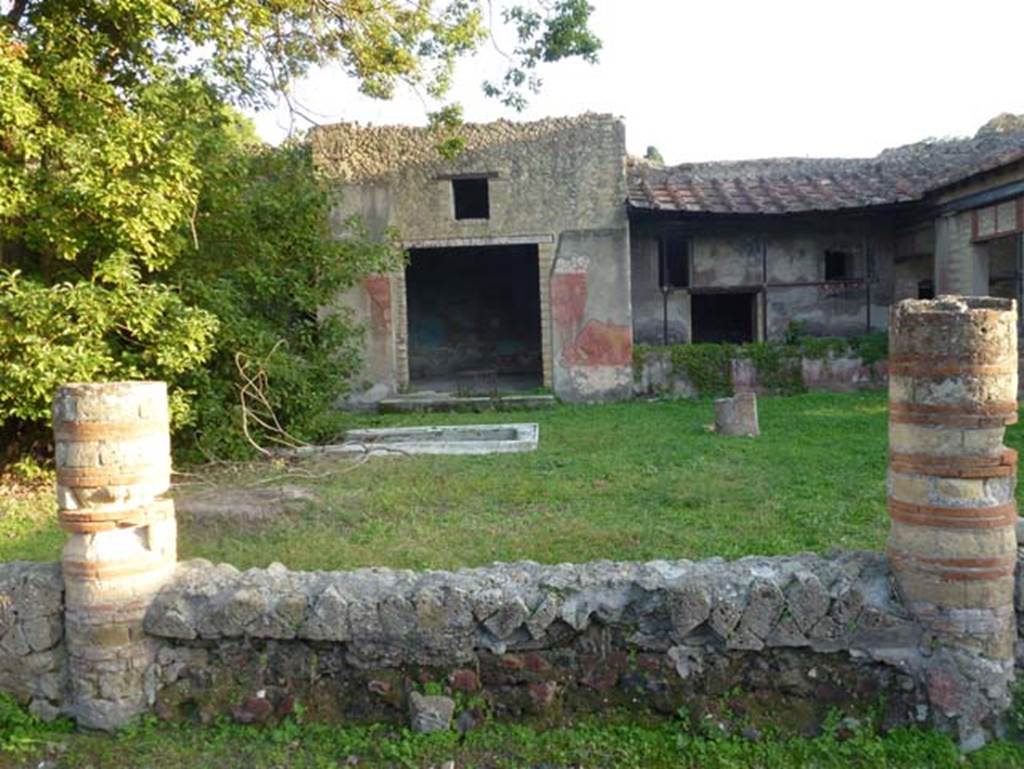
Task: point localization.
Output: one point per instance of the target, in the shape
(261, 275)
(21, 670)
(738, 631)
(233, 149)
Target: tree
(107, 109)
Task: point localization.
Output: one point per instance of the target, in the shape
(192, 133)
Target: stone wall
(780, 640)
(32, 655)
(796, 634)
(558, 184)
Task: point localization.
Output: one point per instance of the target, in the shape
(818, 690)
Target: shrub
(266, 264)
(707, 366)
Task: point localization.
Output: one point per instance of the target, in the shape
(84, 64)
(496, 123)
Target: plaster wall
(559, 183)
(725, 256)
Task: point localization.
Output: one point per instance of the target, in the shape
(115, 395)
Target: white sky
(733, 79)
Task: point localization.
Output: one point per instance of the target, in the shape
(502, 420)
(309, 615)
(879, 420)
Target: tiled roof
(792, 185)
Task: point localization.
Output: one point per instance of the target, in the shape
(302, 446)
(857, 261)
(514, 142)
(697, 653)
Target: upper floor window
(838, 265)
(674, 262)
(472, 200)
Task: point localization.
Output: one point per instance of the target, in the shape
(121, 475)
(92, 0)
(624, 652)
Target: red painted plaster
(600, 344)
(378, 288)
(568, 302)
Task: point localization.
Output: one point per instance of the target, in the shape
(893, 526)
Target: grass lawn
(621, 481)
(611, 742)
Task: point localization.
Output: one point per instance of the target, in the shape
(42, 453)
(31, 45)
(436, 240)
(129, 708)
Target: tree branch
(17, 11)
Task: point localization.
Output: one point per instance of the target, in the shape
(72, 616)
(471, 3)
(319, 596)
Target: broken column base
(737, 415)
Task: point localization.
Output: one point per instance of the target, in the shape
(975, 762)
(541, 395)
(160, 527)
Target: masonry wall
(730, 255)
(791, 637)
(962, 265)
(32, 654)
(558, 183)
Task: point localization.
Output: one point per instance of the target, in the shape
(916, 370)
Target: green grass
(622, 481)
(610, 742)
(631, 480)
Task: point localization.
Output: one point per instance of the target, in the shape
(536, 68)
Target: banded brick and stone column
(952, 391)
(112, 449)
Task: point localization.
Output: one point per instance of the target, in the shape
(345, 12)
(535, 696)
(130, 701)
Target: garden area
(625, 481)
(621, 481)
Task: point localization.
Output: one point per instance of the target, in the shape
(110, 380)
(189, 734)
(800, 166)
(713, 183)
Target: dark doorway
(723, 317)
(474, 318)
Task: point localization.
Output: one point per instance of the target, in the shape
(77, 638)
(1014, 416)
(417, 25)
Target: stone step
(436, 402)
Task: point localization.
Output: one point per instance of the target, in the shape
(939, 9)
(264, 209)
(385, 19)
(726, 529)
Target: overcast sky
(733, 79)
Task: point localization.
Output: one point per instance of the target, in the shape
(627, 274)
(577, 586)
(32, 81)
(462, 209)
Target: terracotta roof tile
(792, 185)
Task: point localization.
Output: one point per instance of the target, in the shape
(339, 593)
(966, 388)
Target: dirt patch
(246, 504)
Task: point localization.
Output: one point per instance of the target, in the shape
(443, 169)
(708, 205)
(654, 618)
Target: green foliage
(266, 264)
(707, 366)
(778, 366)
(872, 347)
(20, 731)
(89, 331)
(123, 173)
(821, 347)
(654, 155)
(545, 34)
(609, 740)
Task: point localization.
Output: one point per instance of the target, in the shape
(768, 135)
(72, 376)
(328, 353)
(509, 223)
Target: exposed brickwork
(113, 466)
(952, 546)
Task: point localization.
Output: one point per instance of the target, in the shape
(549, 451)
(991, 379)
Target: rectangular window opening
(472, 200)
(838, 265)
(674, 264)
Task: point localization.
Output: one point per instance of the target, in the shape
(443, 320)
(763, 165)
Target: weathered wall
(730, 256)
(32, 655)
(654, 375)
(806, 632)
(962, 266)
(914, 260)
(559, 183)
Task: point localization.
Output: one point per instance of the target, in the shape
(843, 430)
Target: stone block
(737, 415)
(430, 713)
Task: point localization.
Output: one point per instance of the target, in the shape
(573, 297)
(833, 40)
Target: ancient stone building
(738, 251)
(518, 273)
(542, 253)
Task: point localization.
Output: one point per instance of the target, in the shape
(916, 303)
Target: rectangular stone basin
(455, 439)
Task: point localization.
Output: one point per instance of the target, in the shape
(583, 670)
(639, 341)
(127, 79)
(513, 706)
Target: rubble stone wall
(32, 654)
(802, 633)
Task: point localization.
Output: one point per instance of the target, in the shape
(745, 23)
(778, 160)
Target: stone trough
(453, 439)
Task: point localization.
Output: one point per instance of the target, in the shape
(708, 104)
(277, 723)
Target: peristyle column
(952, 544)
(112, 448)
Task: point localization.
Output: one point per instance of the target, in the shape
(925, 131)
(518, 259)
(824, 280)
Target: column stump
(112, 447)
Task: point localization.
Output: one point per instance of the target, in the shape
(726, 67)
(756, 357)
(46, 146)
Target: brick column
(952, 545)
(112, 449)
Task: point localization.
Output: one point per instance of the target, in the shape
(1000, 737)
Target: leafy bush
(872, 347)
(141, 233)
(20, 731)
(266, 264)
(707, 366)
(778, 366)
